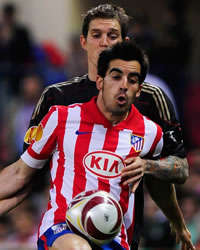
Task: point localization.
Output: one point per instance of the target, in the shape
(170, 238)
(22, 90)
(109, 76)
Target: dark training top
(152, 103)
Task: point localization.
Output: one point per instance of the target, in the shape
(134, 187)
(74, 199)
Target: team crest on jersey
(33, 134)
(137, 142)
(104, 164)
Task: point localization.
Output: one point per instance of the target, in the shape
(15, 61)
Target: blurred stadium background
(49, 32)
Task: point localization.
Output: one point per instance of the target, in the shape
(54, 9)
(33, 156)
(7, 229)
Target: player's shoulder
(158, 99)
(152, 89)
(74, 82)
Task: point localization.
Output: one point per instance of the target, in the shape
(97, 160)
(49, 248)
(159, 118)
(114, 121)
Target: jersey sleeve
(163, 113)
(45, 141)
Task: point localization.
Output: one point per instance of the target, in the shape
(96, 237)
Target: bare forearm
(13, 178)
(8, 204)
(171, 169)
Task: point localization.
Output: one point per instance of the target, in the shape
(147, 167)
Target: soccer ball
(96, 215)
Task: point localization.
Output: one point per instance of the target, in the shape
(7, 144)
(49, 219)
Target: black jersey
(152, 103)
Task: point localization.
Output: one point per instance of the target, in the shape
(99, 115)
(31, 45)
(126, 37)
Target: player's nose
(104, 41)
(124, 83)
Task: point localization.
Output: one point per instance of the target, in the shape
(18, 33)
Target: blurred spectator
(5, 229)
(15, 48)
(141, 31)
(172, 50)
(50, 63)
(192, 116)
(156, 233)
(192, 185)
(24, 219)
(190, 207)
(20, 109)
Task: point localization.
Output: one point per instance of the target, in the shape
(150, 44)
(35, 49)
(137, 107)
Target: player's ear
(99, 82)
(139, 90)
(83, 42)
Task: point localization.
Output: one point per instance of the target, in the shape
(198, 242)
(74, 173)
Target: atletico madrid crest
(137, 142)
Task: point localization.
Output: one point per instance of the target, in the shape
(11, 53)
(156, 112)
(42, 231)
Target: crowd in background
(27, 67)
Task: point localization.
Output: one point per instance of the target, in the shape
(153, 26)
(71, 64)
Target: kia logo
(104, 164)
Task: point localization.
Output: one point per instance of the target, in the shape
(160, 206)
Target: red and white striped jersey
(87, 153)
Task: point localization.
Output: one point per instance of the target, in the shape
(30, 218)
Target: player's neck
(92, 72)
(115, 120)
(112, 118)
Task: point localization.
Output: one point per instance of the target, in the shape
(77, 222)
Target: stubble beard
(119, 110)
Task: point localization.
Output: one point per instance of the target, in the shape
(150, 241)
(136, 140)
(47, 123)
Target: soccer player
(104, 26)
(111, 129)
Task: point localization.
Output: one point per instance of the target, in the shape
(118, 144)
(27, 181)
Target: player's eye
(116, 77)
(96, 35)
(113, 36)
(133, 80)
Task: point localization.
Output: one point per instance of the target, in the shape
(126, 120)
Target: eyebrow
(110, 30)
(117, 70)
(131, 74)
(135, 74)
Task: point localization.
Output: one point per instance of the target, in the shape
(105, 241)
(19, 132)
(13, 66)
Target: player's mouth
(122, 99)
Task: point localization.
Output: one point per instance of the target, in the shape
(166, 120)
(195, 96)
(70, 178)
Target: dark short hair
(9, 9)
(127, 51)
(106, 11)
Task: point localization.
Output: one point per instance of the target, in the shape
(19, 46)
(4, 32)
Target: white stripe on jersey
(70, 141)
(149, 137)
(48, 218)
(98, 135)
(127, 219)
(123, 151)
(158, 148)
(55, 165)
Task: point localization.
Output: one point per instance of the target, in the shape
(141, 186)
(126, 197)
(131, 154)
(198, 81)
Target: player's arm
(164, 195)
(172, 169)
(173, 166)
(13, 179)
(8, 204)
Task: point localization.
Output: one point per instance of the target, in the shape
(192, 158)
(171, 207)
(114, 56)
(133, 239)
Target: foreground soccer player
(89, 144)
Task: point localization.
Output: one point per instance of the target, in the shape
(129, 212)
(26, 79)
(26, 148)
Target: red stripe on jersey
(35, 155)
(44, 239)
(46, 117)
(123, 243)
(60, 199)
(81, 149)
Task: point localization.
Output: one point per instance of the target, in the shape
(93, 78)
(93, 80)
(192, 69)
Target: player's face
(120, 86)
(102, 33)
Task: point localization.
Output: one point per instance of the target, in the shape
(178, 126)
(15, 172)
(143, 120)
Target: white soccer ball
(95, 214)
